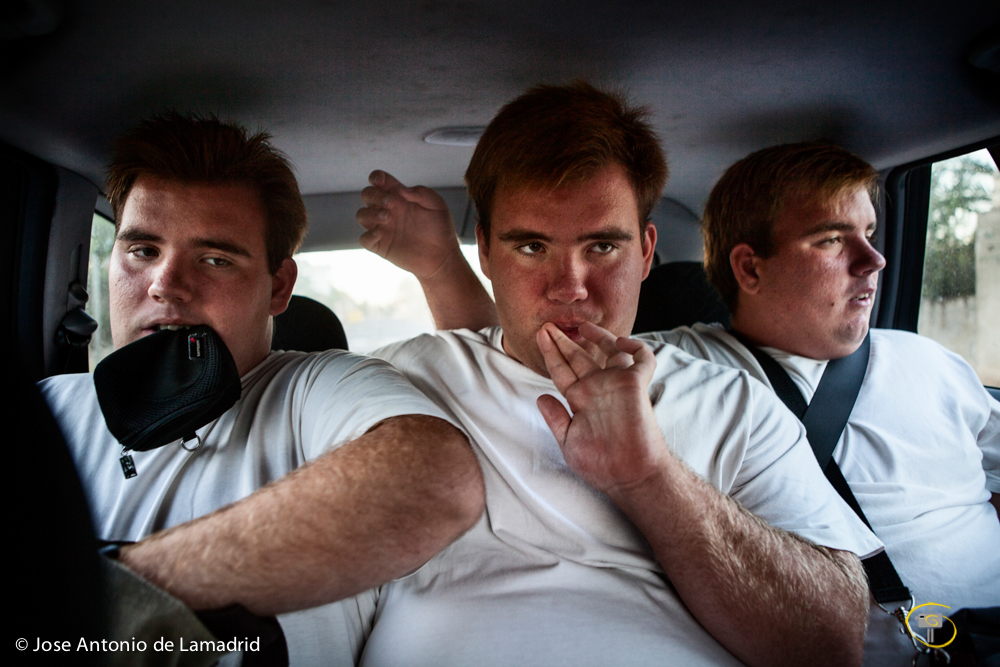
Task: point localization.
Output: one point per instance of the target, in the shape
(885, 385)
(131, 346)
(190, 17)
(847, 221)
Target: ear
(282, 283)
(484, 251)
(648, 248)
(746, 267)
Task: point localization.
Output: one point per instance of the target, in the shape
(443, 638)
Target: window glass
(102, 238)
(960, 294)
(376, 302)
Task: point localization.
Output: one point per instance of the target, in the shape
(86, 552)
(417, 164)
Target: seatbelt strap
(833, 402)
(825, 419)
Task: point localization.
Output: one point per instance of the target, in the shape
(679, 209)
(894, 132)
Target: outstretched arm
(768, 596)
(413, 229)
(373, 510)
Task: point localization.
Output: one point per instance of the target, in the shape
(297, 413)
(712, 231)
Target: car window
(102, 238)
(960, 294)
(376, 302)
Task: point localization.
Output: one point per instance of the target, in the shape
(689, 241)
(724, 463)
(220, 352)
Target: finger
(555, 415)
(559, 369)
(384, 180)
(371, 217)
(371, 241)
(424, 196)
(642, 356)
(605, 341)
(581, 361)
(598, 335)
(619, 360)
(379, 197)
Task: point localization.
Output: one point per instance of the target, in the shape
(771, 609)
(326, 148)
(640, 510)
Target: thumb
(371, 241)
(555, 415)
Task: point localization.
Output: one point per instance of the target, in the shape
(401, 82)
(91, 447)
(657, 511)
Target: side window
(102, 238)
(960, 294)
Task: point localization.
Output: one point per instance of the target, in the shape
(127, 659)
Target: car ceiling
(348, 87)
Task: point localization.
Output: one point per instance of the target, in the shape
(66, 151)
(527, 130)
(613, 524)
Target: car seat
(678, 294)
(308, 326)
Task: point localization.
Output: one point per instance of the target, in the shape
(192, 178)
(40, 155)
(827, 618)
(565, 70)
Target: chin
(848, 340)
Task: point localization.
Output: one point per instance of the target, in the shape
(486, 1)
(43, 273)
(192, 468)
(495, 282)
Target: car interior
(347, 87)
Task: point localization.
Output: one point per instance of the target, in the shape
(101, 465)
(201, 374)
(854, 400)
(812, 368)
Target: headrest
(308, 326)
(678, 294)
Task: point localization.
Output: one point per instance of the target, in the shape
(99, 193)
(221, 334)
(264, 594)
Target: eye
(603, 248)
(220, 262)
(872, 236)
(143, 252)
(532, 248)
(830, 241)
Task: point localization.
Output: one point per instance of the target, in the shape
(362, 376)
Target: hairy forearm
(768, 596)
(456, 297)
(373, 510)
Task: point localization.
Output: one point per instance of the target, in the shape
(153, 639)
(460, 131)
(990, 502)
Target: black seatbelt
(825, 419)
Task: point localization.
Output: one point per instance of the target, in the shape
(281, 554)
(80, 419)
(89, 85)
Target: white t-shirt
(921, 453)
(294, 407)
(554, 573)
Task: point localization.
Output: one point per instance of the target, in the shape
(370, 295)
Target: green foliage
(959, 192)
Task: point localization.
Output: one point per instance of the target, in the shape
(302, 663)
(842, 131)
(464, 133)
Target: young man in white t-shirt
(788, 234)
(788, 246)
(207, 218)
(611, 534)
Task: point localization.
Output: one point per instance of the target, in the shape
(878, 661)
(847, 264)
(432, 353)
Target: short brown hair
(749, 198)
(196, 149)
(556, 135)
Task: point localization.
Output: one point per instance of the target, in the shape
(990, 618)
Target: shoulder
(903, 352)
(72, 393)
(907, 342)
(314, 367)
(442, 347)
(711, 342)
(682, 373)
(72, 399)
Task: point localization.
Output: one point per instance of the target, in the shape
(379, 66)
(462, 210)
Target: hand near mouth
(611, 440)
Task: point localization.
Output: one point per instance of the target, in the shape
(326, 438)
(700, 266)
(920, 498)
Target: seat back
(308, 326)
(678, 294)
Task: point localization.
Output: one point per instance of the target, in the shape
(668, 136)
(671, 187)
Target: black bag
(165, 386)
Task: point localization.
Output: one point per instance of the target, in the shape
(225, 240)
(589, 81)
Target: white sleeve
(342, 396)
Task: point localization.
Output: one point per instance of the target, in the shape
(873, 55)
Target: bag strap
(825, 419)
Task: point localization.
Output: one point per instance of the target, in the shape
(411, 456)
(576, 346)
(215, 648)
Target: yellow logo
(933, 622)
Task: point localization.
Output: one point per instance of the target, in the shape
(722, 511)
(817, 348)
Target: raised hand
(410, 227)
(611, 440)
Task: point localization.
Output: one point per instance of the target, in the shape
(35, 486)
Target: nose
(867, 259)
(171, 282)
(568, 281)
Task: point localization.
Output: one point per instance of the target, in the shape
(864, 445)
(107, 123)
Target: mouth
(863, 298)
(153, 328)
(571, 330)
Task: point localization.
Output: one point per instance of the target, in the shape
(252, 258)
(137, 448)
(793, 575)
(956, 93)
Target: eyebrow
(824, 227)
(522, 235)
(132, 235)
